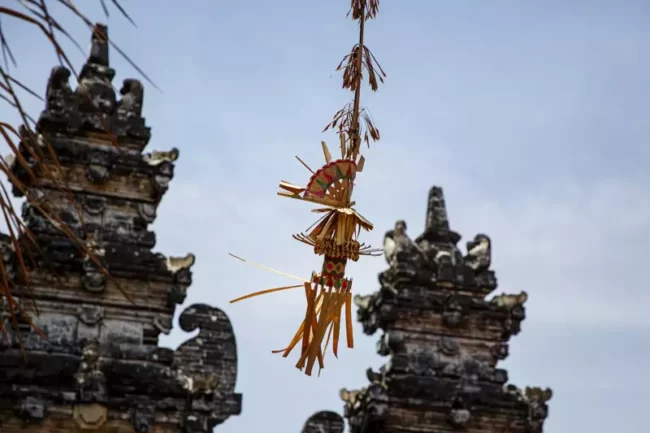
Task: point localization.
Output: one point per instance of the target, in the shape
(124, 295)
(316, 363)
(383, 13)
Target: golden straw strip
(264, 292)
(326, 152)
(269, 269)
(324, 351)
(310, 312)
(301, 329)
(337, 333)
(305, 164)
(332, 319)
(317, 222)
(327, 341)
(318, 335)
(348, 320)
(313, 328)
(326, 228)
(312, 331)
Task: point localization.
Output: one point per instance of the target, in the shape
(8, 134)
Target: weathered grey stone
(324, 422)
(104, 298)
(443, 340)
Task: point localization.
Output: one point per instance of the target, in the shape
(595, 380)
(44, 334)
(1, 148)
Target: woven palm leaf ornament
(335, 235)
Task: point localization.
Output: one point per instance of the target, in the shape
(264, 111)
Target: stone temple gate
(100, 368)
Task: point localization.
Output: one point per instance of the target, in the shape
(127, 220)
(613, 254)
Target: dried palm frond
(353, 65)
(352, 74)
(367, 8)
(344, 121)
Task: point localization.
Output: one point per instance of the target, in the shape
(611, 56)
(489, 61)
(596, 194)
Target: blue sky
(533, 116)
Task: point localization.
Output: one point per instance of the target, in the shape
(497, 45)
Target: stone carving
(538, 395)
(419, 362)
(93, 279)
(510, 301)
(479, 253)
(132, 98)
(28, 151)
(324, 422)
(178, 264)
(32, 409)
(500, 351)
(437, 232)
(374, 376)
(437, 222)
(441, 373)
(90, 315)
(35, 219)
(90, 416)
(95, 93)
(363, 301)
(349, 397)
(434, 258)
(160, 181)
(59, 95)
(478, 369)
(515, 392)
(444, 259)
(399, 247)
(143, 416)
(366, 409)
(100, 360)
(158, 157)
(91, 382)
(128, 120)
(176, 294)
(36, 196)
(14, 315)
(10, 160)
(366, 312)
(514, 305)
(99, 46)
(147, 212)
(448, 346)
(93, 205)
(207, 363)
(538, 409)
(163, 324)
(93, 105)
(98, 171)
(193, 423)
(57, 85)
(390, 342)
(459, 415)
(179, 267)
(452, 315)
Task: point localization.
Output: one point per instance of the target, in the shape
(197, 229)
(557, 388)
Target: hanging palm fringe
(335, 235)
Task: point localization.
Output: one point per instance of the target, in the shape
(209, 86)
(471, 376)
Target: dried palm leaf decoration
(335, 235)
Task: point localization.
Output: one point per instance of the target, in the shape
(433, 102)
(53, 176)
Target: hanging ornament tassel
(335, 235)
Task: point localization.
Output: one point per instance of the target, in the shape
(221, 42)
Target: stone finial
(437, 221)
(95, 93)
(437, 228)
(99, 45)
(93, 106)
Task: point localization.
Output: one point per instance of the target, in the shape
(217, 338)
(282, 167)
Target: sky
(532, 115)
